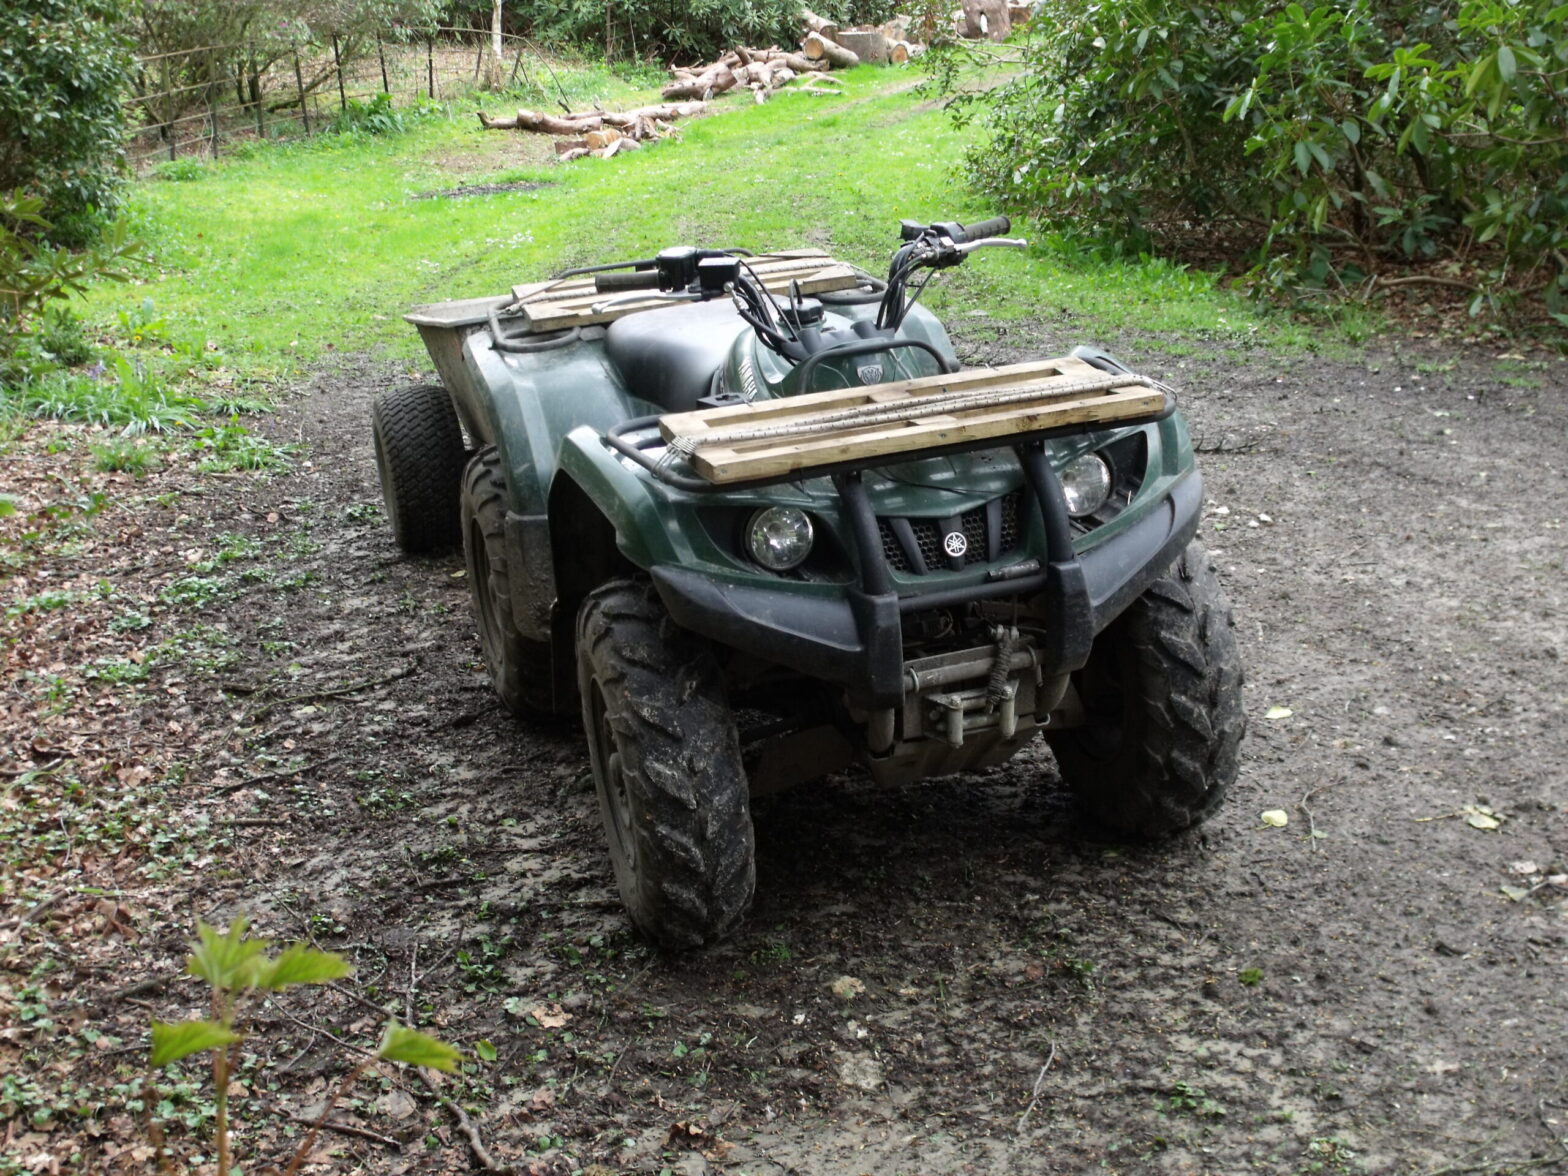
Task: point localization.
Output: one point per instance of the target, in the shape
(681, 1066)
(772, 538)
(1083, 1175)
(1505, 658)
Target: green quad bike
(748, 518)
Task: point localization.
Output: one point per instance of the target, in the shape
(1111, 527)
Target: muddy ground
(1356, 991)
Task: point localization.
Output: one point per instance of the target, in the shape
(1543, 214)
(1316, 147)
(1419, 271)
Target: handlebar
(994, 227)
(956, 233)
(636, 280)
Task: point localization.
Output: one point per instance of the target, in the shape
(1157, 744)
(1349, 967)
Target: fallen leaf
(1517, 893)
(847, 987)
(1479, 816)
(1277, 818)
(1524, 867)
(1278, 712)
(550, 1016)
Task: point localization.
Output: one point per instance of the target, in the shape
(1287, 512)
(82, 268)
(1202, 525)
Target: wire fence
(201, 102)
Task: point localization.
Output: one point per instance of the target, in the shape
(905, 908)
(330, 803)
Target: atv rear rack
(777, 439)
(573, 301)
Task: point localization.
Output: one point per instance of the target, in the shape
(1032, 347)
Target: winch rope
(881, 412)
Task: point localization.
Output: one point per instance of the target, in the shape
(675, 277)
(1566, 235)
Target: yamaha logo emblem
(955, 544)
(870, 374)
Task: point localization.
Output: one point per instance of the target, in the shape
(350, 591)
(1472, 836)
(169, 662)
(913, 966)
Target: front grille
(914, 545)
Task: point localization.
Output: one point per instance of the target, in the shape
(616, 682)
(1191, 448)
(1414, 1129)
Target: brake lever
(644, 296)
(988, 242)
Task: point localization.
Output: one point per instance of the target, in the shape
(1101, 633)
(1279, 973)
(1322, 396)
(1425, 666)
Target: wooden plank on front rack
(1055, 403)
(721, 466)
(579, 310)
(788, 408)
(563, 288)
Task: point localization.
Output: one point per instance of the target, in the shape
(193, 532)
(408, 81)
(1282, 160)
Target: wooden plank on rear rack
(1054, 402)
(573, 304)
(583, 283)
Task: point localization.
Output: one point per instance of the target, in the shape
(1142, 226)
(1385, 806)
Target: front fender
(646, 515)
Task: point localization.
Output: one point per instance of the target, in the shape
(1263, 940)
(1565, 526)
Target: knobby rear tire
(419, 460)
(519, 668)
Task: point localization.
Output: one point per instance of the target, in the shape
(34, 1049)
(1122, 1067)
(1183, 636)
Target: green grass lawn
(297, 250)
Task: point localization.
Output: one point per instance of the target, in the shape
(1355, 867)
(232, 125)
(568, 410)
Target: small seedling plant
(238, 967)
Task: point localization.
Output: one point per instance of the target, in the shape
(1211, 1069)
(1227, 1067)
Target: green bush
(690, 31)
(34, 275)
(1332, 143)
(64, 68)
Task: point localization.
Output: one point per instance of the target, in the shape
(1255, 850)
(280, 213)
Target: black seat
(669, 355)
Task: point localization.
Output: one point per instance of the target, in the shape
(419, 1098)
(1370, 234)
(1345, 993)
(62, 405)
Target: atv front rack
(827, 432)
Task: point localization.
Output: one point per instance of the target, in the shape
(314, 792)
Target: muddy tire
(519, 668)
(419, 458)
(1164, 721)
(667, 767)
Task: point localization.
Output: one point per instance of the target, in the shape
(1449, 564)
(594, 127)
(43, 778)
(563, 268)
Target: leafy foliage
(1335, 140)
(34, 274)
(63, 68)
(698, 30)
(234, 964)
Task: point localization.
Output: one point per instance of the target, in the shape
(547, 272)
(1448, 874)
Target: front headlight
(779, 537)
(1086, 483)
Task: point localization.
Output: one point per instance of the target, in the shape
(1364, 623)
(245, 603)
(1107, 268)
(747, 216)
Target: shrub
(34, 274)
(64, 67)
(670, 29)
(1332, 143)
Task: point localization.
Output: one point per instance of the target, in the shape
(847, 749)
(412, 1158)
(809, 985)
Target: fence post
(337, 64)
(386, 86)
(212, 114)
(299, 85)
(430, 65)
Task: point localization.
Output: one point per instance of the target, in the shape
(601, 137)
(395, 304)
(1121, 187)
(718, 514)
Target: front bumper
(857, 639)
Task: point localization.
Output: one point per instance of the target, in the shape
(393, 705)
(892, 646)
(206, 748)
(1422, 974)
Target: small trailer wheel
(419, 458)
(666, 764)
(1162, 696)
(520, 669)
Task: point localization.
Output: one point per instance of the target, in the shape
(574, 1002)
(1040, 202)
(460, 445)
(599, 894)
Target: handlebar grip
(994, 227)
(636, 280)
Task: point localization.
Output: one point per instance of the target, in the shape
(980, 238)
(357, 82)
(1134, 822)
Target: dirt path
(1353, 992)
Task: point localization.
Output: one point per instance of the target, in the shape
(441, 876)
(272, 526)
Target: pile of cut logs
(824, 47)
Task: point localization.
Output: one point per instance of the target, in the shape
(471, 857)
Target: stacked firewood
(824, 46)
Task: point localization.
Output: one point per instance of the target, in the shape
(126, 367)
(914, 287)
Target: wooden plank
(722, 466)
(554, 315)
(583, 283)
(783, 409)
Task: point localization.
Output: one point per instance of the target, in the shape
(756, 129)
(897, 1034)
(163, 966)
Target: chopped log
(986, 18)
(798, 62)
(578, 125)
(820, 48)
(662, 112)
(601, 139)
(866, 44)
(815, 24)
(716, 80)
(547, 124)
(900, 52)
(1019, 13)
(574, 153)
(563, 146)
